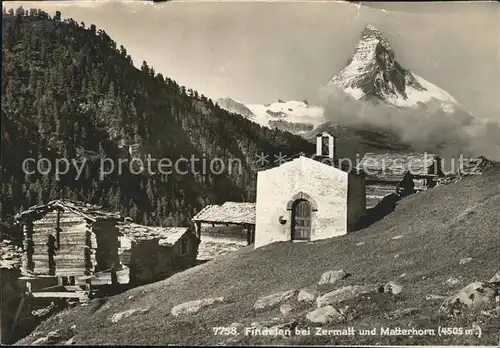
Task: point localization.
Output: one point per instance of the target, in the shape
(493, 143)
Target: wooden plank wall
(105, 245)
(70, 259)
(125, 250)
(376, 191)
(183, 262)
(224, 234)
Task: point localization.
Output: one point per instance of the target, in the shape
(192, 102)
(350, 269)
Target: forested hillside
(70, 91)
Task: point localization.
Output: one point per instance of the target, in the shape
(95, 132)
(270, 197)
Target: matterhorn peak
(374, 73)
(370, 29)
(370, 33)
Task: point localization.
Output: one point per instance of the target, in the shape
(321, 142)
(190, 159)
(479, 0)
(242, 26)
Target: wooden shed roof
(86, 210)
(229, 213)
(164, 235)
(395, 165)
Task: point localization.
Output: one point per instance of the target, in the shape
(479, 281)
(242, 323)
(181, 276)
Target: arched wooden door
(301, 220)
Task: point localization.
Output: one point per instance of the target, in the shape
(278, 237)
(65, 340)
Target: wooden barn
(152, 253)
(401, 173)
(70, 240)
(224, 228)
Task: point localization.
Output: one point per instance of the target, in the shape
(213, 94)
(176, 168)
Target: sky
(259, 51)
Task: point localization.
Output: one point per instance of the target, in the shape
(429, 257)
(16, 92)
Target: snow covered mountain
(373, 73)
(291, 111)
(234, 106)
(374, 103)
(297, 117)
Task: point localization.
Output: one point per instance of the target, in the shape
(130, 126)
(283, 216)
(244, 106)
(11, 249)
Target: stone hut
(224, 228)
(152, 253)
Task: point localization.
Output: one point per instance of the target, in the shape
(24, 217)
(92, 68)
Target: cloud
(427, 128)
(422, 7)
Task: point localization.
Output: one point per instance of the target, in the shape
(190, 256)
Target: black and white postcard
(250, 173)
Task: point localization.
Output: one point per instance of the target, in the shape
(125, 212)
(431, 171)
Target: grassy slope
(438, 228)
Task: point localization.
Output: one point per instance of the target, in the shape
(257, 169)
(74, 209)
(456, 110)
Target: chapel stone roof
(229, 212)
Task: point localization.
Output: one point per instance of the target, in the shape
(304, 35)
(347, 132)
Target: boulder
(307, 295)
(477, 330)
(70, 341)
(495, 278)
(393, 288)
(349, 313)
(125, 314)
(40, 341)
(237, 325)
(465, 260)
(286, 309)
(256, 324)
(231, 341)
(192, 307)
(265, 323)
(342, 294)
(290, 325)
(452, 281)
(52, 337)
(473, 294)
(324, 315)
(399, 313)
(331, 277)
(434, 297)
(490, 312)
(273, 300)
